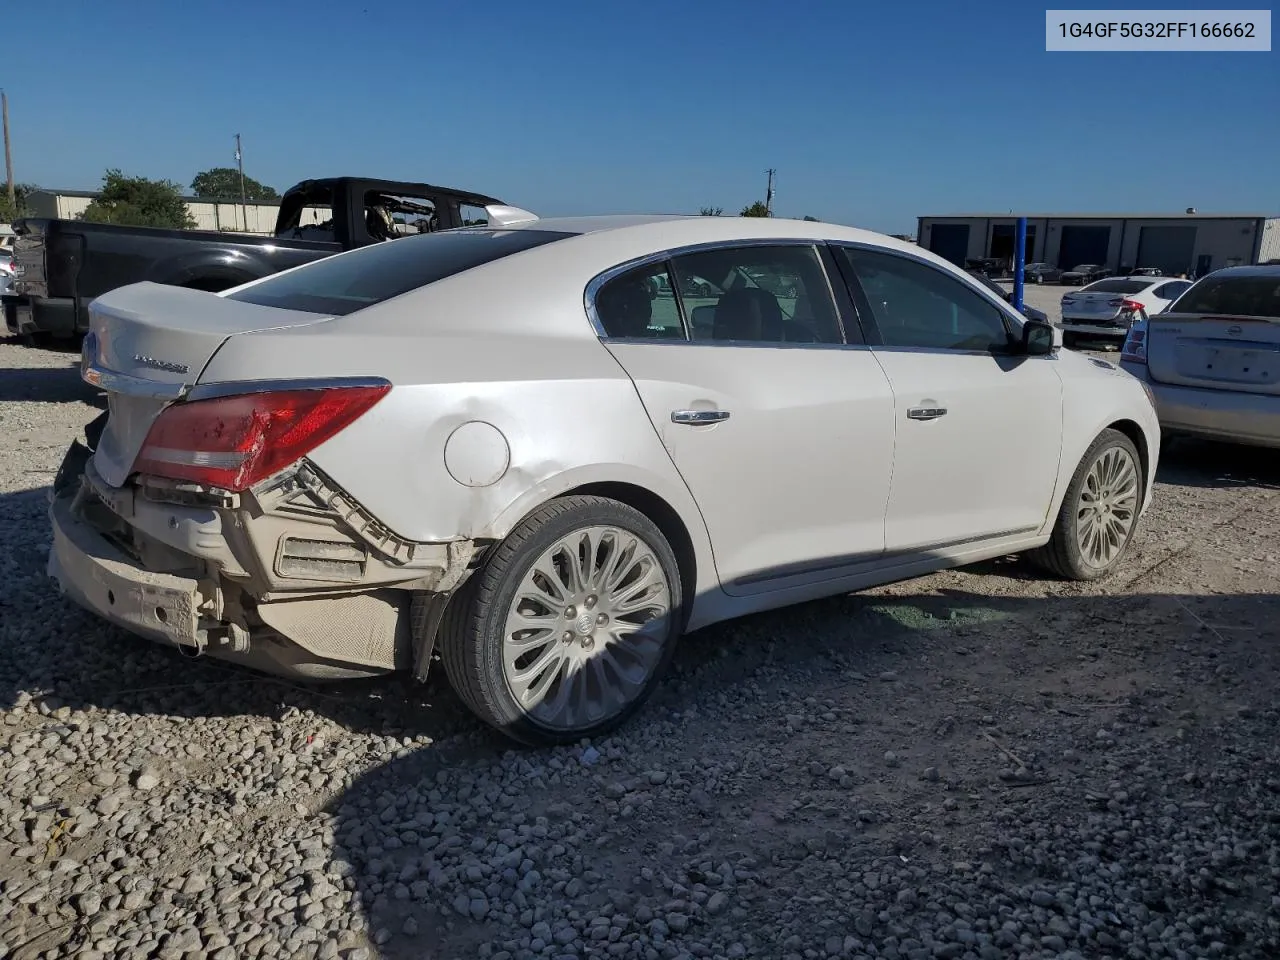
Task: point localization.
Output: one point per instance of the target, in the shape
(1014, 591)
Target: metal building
(209, 214)
(1190, 243)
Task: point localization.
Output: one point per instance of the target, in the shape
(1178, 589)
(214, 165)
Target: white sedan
(1107, 308)
(508, 446)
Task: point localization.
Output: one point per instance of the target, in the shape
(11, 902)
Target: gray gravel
(980, 764)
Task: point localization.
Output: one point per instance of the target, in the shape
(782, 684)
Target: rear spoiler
(501, 215)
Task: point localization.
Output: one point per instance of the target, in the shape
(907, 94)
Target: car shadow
(49, 385)
(435, 875)
(1209, 464)
(425, 837)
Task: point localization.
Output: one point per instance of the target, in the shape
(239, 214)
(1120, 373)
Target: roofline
(394, 186)
(1101, 216)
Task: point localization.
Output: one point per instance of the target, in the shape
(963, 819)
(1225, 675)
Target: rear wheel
(1099, 514)
(570, 624)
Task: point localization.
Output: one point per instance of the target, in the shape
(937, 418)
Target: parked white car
(497, 444)
(1105, 309)
(1212, 359)
(6, 272)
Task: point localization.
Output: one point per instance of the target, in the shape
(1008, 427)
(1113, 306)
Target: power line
(8, 158)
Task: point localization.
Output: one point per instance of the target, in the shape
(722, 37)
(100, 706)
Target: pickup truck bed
(60, 266)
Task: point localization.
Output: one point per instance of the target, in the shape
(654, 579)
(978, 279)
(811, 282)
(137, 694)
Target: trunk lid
(1100, 305)
(147, 346)
(1240, 353)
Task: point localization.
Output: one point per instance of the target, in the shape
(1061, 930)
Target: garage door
(1082, 245)
(950, 241)
(1169, 248)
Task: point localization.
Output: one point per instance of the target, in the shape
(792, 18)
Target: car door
(782, 431)
(978, 426)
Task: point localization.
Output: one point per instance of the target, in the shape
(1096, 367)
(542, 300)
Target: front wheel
(569, 625)
(1099, 514)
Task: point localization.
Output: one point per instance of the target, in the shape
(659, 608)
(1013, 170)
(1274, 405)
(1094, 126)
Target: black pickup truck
(61, 265)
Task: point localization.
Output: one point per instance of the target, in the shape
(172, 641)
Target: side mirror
(1040, 339)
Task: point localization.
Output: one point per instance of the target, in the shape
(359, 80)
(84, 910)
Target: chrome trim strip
(758, 344)
(114, 382)
(232, 388)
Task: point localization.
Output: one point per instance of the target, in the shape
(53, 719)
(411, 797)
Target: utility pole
(768, 194)
(244, 207)
(8, 158)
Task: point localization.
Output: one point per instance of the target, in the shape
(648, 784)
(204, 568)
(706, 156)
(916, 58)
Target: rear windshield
(1232, 296)
(1117, 286)
(341, 285)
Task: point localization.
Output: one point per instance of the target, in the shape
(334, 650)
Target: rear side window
(1117, 286)
(640, 304)
(1170, 291)
(344, 284)
(1232, 296)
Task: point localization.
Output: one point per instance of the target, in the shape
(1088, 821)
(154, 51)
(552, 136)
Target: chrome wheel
(587, 628)
(1108, 507)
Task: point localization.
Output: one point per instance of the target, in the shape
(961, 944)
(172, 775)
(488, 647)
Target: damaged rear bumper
(291, 578)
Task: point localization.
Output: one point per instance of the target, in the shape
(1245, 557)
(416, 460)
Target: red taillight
(1133, 306)
(233, 442)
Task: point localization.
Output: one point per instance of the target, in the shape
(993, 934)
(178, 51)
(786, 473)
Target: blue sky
(872, 113)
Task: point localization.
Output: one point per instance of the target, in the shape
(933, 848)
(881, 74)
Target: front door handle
(696, 417)
(926, 413)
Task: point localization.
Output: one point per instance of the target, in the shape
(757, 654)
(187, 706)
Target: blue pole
(1019, 263)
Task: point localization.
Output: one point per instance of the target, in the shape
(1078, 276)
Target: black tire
(471, 634)
(1062, 555)
(1069, 341)
(40, 340)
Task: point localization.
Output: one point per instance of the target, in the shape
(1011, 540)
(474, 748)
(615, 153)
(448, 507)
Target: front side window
(640, 304)
(758, 294)
(918, 305)
(343, 284)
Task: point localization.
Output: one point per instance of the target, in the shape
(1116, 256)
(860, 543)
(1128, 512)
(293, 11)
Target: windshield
(1232, 296)
(340, 285)
(1084, 267)
(1116, 286)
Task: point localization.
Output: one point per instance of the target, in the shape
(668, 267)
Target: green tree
(756, 209)
(139, 202)
(18, 209)
(223, 183)
(711, 211)
(811, 219)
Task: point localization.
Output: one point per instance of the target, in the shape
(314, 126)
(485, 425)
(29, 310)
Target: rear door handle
(696, 417)
(926, 413)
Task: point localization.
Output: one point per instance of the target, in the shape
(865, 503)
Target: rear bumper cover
(1095, 328)
(216, 581)
(1228, 415)
(97, 576)
(30, 315)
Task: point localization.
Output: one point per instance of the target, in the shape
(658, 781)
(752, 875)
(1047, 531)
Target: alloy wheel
(587, 628)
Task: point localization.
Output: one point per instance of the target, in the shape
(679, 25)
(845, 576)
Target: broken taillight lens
(234, 442)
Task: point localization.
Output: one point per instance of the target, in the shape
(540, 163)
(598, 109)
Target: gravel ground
(980, 764)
